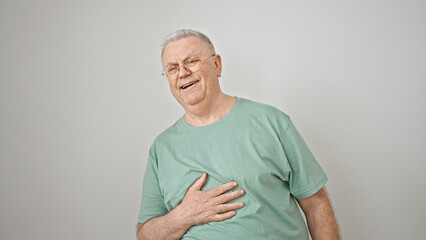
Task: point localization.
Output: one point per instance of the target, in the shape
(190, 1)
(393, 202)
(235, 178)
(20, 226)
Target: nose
(183, 71)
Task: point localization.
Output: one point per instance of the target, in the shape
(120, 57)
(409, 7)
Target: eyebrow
(184, 59)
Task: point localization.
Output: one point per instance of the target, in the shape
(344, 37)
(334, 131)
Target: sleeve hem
(311, 191)
(143, 220)
(146, 218)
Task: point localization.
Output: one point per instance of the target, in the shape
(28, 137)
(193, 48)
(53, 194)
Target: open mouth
(188, 85)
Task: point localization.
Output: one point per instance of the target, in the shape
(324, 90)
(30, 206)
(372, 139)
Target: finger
(222, 188)
(223, 216)
(229, 196)
(199, 183)
(229, 206)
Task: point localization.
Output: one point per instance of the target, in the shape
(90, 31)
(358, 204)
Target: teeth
(187, 85)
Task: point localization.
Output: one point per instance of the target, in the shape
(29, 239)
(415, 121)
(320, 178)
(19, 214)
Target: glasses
(191, 64)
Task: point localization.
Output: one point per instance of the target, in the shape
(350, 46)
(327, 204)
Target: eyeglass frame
(164, 74)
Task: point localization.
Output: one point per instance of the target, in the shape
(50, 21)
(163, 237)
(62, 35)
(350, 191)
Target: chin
(191, 101)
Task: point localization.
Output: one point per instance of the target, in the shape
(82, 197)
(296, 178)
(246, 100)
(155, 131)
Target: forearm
(322, 223)
(164, 227)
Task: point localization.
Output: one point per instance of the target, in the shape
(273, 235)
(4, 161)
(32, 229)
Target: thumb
(199, 183)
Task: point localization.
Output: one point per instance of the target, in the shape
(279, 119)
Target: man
(230, 168)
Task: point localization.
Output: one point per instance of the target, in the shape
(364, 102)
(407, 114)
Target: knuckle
(228, 186)
(227, 197)
(220, 199)
(211, 192)
(209, 202)
(220, 190)
(234, 194)
(237, 194)
(205, 216)
(221, 208)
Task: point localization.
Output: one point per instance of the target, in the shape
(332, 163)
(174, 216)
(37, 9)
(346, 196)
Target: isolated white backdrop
(82, 99)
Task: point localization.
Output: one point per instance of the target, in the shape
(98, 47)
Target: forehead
(185, 47)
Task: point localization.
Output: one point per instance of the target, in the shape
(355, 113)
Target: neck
(210, 112)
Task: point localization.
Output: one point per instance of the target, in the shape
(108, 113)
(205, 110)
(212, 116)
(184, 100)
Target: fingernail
(241, 191)
(235, 183)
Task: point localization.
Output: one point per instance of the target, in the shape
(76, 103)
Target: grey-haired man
(230, 168)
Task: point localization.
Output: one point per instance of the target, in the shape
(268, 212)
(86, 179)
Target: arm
(164, 227)
(197, 207)
(320, 216)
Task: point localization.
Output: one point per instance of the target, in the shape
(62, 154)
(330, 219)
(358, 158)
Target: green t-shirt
(255, 145)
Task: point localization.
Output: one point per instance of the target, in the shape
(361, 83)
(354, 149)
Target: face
(197, 85)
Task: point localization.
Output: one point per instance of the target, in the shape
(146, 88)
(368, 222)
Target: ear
(218, 65)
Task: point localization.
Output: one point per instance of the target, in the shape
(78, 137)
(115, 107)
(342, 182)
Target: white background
(82, 99)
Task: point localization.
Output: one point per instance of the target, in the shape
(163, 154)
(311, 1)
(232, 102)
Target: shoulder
(166, 136)
(262, 111)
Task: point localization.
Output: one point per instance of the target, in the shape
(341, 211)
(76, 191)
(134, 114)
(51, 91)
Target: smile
(188, 85)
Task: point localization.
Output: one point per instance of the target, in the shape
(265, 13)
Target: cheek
(172, 84)
(172, 88)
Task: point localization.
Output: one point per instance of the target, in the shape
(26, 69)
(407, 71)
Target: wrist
(176, 218)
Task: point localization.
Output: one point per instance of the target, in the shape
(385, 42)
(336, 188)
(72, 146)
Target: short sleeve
(152, 204)
(306, 177)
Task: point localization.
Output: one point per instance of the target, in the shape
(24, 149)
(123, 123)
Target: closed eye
(191, 62)
(172, 69)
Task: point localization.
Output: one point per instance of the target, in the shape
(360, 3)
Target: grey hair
(184, 33)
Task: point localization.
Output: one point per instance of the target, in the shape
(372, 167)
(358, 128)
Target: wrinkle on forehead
(175, 62)
(185, 48)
